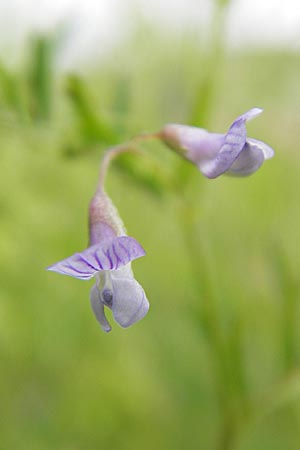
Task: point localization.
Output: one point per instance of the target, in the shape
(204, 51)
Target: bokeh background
(215, 363)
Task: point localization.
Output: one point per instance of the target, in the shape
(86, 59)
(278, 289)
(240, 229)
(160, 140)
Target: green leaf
(92, 125)
(41, 74)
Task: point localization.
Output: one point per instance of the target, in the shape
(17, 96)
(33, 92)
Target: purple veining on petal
(107, 254)
(131, 250)
(98, 257)
(76, 269)
(73, 266)
(115, 253)
(87, 262)
(234, 143)
(123, 248)
(98, 261)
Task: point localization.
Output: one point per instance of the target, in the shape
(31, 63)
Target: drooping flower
(232, 153)
(108, 259)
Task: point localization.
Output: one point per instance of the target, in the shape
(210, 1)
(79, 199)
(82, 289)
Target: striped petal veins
(110, 255)
(216, 154)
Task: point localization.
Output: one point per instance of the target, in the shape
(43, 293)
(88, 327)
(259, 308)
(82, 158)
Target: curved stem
(113, 152)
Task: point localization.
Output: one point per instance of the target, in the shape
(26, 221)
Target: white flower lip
(127, 299)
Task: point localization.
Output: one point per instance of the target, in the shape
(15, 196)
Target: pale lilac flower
(108, 259)
(232, 153)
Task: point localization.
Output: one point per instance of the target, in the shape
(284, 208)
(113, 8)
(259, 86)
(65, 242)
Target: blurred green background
(215, 363)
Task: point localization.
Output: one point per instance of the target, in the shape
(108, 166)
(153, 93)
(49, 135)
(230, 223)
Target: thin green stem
(113, 152)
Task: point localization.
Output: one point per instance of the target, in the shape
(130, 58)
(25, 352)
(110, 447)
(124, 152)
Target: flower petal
(75, 266)
(193, 143)
(249, 161)
(249, 115)
(106, 256)
(121, 251)
(267, 151)
(98, 309)
(234, 142)
(129, 301)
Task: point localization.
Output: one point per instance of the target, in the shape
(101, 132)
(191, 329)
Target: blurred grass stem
(212, 68)
(207, 314)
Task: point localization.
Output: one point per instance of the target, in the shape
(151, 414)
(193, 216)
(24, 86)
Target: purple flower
(214, 154)
(108, 259)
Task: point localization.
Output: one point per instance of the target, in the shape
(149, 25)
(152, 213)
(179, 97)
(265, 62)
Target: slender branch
(113, 152)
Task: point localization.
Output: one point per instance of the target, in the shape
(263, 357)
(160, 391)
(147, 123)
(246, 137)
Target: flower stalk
(113, 152)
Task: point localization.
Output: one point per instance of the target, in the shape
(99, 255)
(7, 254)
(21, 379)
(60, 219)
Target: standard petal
(249, 115)
(234, 143)
(130, 303)
(113, 254)
(106, 256)
(98, 309)
(75, 266)
(122, 250)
